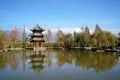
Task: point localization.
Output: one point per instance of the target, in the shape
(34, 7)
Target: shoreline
(115, 49)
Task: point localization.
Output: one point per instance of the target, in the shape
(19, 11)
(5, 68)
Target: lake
(59, 65)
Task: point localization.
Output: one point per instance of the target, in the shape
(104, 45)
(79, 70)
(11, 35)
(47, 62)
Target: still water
(59, 65)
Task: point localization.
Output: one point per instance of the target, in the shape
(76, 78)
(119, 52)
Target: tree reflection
(13, 61)
(3, 61)
(100, 61)
(10, 59)
(64, 57)
(24, 60)
(49, 59)
(87, 59)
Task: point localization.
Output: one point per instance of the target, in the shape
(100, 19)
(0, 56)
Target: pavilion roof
(37, 27)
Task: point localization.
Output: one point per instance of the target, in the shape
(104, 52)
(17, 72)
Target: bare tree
(60, 37)
(14, 35)
(49, 36)
(24, 38)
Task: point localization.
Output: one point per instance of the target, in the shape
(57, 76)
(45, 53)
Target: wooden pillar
(39, 44)
(30, 44)
(34, 44)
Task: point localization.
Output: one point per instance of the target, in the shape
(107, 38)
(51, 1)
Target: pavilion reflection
(36, 60)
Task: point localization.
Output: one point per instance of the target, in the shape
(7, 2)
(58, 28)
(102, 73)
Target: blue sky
(51, 14)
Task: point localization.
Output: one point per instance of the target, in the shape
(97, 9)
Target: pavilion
(36, 37)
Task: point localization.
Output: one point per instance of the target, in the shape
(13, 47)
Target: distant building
(37, 36)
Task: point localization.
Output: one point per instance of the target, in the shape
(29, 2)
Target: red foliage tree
(97, 28)
(87, 31)
(49, 35)
(14, 35)
(59, 34)
(60, 37)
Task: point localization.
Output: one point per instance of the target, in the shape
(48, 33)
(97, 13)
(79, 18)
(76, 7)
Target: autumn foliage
(14, 35)
(49, 36)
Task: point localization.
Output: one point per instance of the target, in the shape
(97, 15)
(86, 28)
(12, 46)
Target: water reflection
(99, 62)
(49, 59)
(3, 61)
(37, 60)
(24, 60)
(87, 60)
(65, 57)
(57, 64)
(10, 59)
